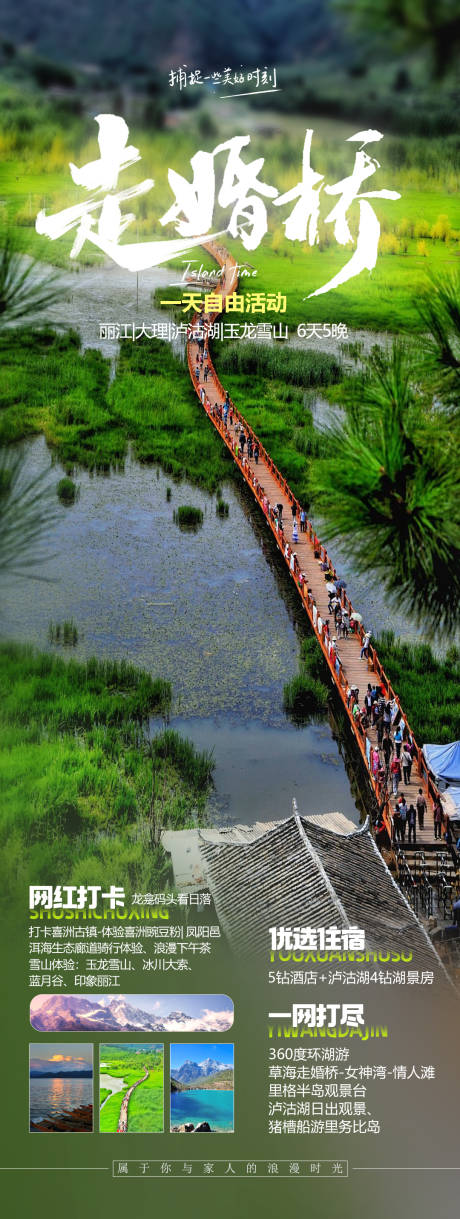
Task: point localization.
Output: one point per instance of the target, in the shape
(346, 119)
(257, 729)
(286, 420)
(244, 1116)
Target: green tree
(439, 309)
(24, 289)
(27, 507)
(389, 484)
(410, 24)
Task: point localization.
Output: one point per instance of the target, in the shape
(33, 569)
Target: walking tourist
(398, 740)
(395, 772)
(437, 818)
(365, 645)
(411, 824)
(421, 808)
(353, 695)
(387, 748)
(402, 806)
(397, 824)
(406, 759)
(368, 699)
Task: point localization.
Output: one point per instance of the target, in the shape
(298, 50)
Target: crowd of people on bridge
(391, 755)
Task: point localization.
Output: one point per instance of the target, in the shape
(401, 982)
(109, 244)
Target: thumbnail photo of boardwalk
(131, 1088)
(61, 1088)
(201, 1086)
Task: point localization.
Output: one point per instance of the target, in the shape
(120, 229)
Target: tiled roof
(300, 873)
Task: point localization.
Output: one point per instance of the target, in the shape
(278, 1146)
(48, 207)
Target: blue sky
(197, 1051)
(192, 1005)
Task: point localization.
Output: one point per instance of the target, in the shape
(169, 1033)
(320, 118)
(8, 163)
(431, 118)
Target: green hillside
(221, 1081)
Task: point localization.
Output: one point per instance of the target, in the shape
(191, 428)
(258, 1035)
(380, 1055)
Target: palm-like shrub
(439, 309)
(24, 289)
(389, 484)
(27, 508)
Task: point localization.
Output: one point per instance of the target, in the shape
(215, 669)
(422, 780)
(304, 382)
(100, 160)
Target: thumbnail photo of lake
(61, 1088)
(201, 1087)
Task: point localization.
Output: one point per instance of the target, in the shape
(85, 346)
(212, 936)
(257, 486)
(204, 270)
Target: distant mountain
(73, 1012)
(197, 1070)
(220, 1080)
(209, 1065)
(124, 1015)
(61, 1074)
(57, 1012)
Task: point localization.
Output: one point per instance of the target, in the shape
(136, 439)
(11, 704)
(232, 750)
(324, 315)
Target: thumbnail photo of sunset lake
(61, 1088)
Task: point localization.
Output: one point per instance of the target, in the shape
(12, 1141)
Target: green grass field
(34, 174)
(75, 775)
(145, 1108)
(272, 388)
(427, 686)
(383, 299)
(47, 385)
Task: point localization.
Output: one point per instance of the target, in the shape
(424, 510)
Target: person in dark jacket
(411, 824)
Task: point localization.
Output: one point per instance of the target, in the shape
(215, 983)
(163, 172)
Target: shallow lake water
(52, 1097)
(111, 1082)
(203, 1105)
(104, 295)
(212, 611)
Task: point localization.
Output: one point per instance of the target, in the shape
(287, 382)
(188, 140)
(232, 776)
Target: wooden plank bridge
(304, 558)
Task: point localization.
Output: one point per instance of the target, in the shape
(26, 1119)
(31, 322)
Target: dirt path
(122, 1127)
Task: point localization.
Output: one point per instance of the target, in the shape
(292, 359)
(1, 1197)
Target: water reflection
(214, 612)
(52, 1097)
